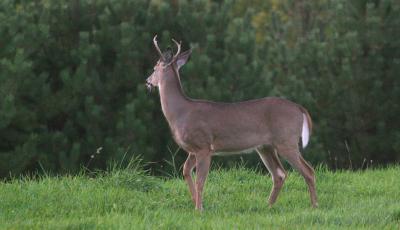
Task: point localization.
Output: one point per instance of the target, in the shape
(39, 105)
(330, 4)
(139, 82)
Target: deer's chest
(190, 138)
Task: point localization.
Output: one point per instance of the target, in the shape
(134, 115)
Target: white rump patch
(305, 133)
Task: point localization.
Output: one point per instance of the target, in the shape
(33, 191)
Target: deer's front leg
(203, 161)
(187, 174)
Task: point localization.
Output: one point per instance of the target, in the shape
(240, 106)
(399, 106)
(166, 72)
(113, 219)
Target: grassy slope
(233, 199)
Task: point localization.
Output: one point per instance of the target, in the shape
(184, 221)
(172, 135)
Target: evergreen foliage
(72, 74)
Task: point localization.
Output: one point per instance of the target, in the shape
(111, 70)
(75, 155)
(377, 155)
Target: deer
(271, 126)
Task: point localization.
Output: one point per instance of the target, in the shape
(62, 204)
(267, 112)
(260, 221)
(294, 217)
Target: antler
(179, 48)
(177, 52)
(158, 48)
(160, 53)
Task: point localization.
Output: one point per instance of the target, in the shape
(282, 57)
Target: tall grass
(126, 197)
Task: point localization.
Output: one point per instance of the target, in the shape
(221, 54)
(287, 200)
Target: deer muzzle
(149, 86)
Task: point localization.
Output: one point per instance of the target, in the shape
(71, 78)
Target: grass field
(234, 199)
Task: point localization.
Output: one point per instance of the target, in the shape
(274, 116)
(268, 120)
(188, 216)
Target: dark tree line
(72, 75)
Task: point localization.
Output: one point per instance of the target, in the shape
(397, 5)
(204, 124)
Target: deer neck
(174, 102)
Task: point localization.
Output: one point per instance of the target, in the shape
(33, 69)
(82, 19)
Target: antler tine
(179, 47)
(157, 48)
(178, 44)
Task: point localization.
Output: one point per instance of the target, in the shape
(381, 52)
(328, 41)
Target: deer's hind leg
(292, 154)
(274, 166)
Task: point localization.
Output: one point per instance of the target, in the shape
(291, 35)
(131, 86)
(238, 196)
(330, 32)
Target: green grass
(234, 199)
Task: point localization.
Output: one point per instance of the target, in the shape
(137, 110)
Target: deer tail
(307, 127)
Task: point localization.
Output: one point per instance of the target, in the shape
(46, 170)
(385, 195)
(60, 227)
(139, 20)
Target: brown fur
(204, 128)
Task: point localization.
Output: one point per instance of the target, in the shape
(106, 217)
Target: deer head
(167, 64)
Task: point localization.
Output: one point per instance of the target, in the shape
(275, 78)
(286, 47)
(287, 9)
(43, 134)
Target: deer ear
(183, 57)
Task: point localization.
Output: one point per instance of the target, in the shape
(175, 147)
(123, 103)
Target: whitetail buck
(271, 126)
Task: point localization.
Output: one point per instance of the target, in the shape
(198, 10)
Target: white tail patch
(305, 133)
